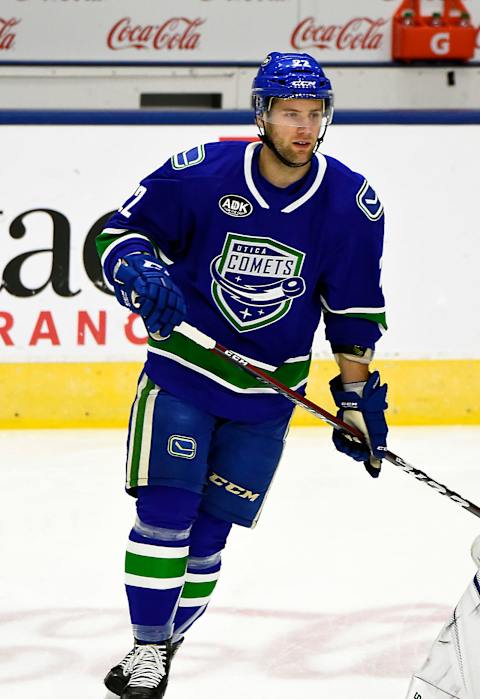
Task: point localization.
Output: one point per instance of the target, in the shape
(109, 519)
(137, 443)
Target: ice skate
(148, 670)
(118, 677)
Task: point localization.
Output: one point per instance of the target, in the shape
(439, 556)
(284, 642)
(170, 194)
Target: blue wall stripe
(227, 117)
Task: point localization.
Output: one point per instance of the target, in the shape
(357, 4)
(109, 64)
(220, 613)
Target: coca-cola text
(175, 33)
(358, 33)
(7, 35)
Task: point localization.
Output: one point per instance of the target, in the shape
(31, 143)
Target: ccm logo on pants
(233, 488)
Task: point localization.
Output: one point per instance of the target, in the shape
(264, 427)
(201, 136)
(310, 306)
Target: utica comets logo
(255, 280)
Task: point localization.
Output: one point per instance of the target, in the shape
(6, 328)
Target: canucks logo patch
(181, 446)
(255, 280)
(369, 202)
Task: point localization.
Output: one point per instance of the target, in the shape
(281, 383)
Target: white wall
(86, 87)
(229, 31)
(427, 177)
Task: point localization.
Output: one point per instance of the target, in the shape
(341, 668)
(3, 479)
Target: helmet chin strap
(270, 144)
(265, 138)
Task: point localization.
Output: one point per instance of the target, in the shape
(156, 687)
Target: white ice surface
(338, 593)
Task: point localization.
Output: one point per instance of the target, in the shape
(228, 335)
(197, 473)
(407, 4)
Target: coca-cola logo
(176, 33)
(361, 33)
(7, 35)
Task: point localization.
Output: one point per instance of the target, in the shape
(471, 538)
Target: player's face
(294, 127)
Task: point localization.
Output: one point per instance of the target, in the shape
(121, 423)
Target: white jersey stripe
(208, 374)
(247, 168)
(141, 386)
(322, 166)
(214, 377)
(144, 461)
(351, 310)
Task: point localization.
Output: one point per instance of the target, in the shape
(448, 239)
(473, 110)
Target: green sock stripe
(193, 590)
(137, 433)
(155, 567)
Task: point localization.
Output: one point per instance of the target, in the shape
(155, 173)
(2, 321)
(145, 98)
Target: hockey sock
(156, 560)
(208, 538)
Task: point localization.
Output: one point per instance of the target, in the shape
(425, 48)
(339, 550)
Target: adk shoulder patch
(369, 202)
(235, 205)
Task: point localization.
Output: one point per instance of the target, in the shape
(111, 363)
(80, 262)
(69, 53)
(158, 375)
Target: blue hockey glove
(144, 286)
(366, 413)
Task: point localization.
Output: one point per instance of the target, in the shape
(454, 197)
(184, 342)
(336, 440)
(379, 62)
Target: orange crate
(450, 40)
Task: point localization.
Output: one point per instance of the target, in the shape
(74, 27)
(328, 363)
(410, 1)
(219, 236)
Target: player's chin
(300, 156)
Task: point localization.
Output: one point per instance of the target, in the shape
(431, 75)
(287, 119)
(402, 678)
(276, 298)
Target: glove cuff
(135, 245)
(344, 399)
(355, 387)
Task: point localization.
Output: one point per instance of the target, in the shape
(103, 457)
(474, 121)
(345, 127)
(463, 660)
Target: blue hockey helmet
(291, 76)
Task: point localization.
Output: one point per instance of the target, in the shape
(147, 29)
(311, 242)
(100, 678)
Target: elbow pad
(355, 353)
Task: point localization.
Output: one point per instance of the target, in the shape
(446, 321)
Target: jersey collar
(248, 171)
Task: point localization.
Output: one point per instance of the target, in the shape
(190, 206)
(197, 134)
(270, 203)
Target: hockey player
(249, 242)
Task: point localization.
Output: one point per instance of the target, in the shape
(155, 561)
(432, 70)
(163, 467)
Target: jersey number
(137, 195)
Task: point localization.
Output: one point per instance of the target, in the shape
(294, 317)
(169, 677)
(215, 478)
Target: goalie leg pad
(452, 668)
(476, 551)
(420, 689)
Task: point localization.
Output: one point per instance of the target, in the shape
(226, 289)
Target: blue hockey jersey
(257, 265)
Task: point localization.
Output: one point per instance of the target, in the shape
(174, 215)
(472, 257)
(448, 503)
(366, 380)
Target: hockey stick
(208, 343)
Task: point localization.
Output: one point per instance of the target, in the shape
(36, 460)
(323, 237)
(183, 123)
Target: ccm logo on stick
(236, 357)
(235, 205)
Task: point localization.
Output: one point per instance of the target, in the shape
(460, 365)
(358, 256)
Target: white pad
(419, 689)
(475, 551)
(452, 669)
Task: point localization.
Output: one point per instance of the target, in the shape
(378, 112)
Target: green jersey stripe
(200, 359)
(149, 567)
(109, 238)
(137, 430)
(133, 420)
(144, 461)
(376, 315)
(379, 318)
